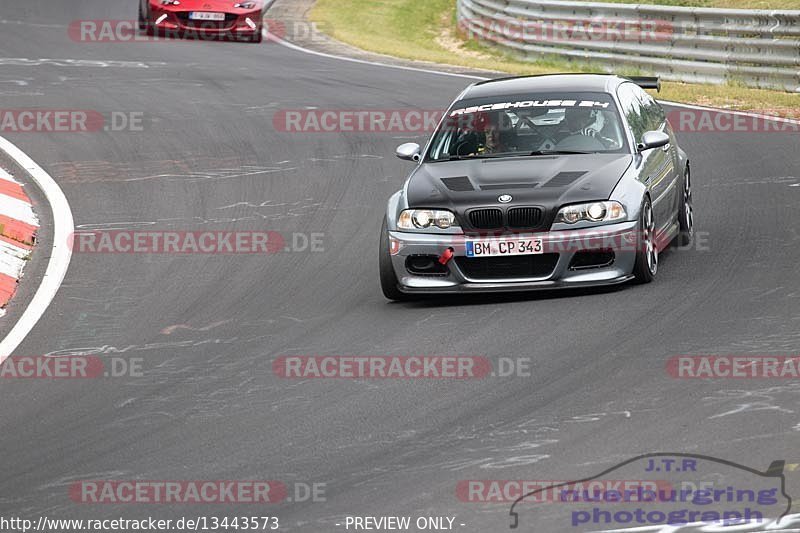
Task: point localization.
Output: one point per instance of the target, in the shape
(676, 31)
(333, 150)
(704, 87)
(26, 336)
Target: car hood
(546, 181)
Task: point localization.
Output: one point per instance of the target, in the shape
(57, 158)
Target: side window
(653, 113)
(632, 109)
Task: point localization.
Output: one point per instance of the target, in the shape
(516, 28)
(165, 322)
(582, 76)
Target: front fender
(397, 203)
(630, 192)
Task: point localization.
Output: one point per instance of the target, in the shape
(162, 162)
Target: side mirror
(653, 139)
(408, 151)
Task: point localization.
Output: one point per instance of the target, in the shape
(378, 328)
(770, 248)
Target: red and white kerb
(18, 227)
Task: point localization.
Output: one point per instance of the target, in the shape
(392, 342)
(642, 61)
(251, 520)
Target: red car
(239, 20)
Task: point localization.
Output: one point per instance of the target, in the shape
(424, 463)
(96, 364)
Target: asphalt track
(209, 326)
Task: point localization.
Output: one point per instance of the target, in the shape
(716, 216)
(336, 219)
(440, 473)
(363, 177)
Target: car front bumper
(177, 23)
(560, 249)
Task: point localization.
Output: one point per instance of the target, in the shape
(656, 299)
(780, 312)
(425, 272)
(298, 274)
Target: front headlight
(426, 218)
(591, 212)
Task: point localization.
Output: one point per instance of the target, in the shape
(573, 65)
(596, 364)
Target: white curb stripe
(18, 210)
(13, 254)
(12, 259)
(60, 254)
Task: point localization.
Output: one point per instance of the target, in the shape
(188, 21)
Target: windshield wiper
(496, 155)
(474, 156)
(500, 155)
(560, 152)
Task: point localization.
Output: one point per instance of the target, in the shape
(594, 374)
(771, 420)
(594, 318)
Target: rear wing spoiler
(647, 82)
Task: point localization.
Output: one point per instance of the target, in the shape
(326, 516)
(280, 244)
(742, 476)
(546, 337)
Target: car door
(665, 182)
(654, 167)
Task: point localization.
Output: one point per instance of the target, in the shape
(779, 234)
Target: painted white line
(12, 259)
(295, 47)
(60, 254)
(26, 62)
(732, 112)
(18, 210)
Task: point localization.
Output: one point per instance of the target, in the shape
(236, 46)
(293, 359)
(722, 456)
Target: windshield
(529, 124)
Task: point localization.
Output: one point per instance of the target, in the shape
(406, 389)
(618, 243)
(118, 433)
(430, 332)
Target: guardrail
(757, 48)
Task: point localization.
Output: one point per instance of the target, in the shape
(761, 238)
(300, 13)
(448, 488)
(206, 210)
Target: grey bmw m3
(539, 182)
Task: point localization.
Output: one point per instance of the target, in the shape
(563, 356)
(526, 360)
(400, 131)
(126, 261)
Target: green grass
(424, 30)
(403, 28)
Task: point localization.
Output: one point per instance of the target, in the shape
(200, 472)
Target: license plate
(494, 247)
(206, 15)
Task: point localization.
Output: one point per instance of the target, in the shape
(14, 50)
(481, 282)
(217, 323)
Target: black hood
(547, 182)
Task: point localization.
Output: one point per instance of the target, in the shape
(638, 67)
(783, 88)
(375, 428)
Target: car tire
(388, 277)
(258, 37)
(142, 21)
(686, 213)
(646, 265)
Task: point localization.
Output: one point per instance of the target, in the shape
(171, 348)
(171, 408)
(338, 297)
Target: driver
(579, 121)
(486, 133)
(497, 131)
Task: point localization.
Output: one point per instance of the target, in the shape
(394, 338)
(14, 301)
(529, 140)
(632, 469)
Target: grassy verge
(424, 30)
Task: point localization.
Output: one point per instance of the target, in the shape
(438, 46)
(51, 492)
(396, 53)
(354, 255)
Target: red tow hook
(446, 256)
